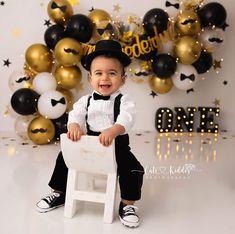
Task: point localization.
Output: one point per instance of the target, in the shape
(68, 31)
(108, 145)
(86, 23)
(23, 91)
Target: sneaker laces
(49, 198)
(130, 209)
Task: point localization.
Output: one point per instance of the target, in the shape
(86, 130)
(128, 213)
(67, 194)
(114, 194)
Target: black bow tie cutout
(55, 102)
(62, 8)
(190, 77)
(176, 5)
(96, 96)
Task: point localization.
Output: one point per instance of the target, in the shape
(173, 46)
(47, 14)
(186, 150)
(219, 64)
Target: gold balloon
(59, 11)
(160, 86)
(187, 23)
(68, 96)
(68, 52)
(98, 15)
(39, 58)
(41, 130)
(105, 30)
(68, 77)
(187, 50)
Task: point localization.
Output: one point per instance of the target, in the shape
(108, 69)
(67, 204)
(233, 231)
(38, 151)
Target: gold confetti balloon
(187, 23)
(129, 26)
(187, 49)
(68, 52)
(41, 130)
(68, 77)
(105, 30)
(39, 58)
(68, 96)
(59, 11)
(160, 86)
(99, 15)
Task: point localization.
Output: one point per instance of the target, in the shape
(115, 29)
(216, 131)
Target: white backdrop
(22, 24)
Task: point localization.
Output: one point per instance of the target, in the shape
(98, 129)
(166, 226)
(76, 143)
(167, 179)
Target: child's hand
(74, 132)
(107, 136)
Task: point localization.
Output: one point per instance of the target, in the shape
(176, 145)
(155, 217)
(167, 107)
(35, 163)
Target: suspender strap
(117, 103)
(88, 104)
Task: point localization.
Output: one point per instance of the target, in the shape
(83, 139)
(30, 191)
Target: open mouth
(105, 86)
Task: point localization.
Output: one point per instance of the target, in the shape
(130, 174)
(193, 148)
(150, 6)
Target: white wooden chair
(89, 156)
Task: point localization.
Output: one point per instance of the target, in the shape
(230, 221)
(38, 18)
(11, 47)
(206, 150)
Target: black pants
(130, 171)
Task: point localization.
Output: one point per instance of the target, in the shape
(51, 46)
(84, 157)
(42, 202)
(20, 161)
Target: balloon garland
(171, 51)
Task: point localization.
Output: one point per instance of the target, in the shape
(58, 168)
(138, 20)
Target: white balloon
(185, 77)
(21, 126)
(18, 79)
(212, 39)
(52, 104)
(44, 82)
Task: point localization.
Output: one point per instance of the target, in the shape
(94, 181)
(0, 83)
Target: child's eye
(98, 73)
(112, 73)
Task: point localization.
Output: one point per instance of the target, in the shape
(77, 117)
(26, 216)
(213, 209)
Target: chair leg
(110, 198)
(70, 202)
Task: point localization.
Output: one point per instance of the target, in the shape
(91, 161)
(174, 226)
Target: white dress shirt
(101, 113)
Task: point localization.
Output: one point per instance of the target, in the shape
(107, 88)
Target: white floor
(189, 187)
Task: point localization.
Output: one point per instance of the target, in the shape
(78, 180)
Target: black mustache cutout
(176, 5)
(62, 8)
(189, 21)
(69, 50)
(25, 78)
(108, 27)
(37, 130)
(214, 39)
(190, 77)
(190, 90)
(141, 74)
(55, 102)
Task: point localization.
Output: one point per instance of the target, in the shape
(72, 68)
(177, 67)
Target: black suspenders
(116, 110)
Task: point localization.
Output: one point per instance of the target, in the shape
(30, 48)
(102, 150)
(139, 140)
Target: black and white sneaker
(50, 202)
(128, 216)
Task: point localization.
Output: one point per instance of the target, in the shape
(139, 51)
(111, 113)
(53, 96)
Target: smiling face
(106, 75)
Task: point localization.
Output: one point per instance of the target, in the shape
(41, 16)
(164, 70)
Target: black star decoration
(6, 62)
(153, 94)
(224, 26)
(92, 9)
(2, 3)
(47, 23)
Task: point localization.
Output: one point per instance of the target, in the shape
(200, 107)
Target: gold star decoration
(217, 64)
(216, 102)
(131, 20)
(16, 32)
(73, 2)
(116, 7)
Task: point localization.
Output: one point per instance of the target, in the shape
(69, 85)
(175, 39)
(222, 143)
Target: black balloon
(80, 28)
(204, 62)
(144, 56)
(212, 14)
(53, 34)
(155, 17)
(60, 125)
(24, 101)
(164, 66)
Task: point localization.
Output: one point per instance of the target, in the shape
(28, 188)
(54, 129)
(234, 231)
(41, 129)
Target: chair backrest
(88, 155)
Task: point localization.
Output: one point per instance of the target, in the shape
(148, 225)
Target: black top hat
(107, 47)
